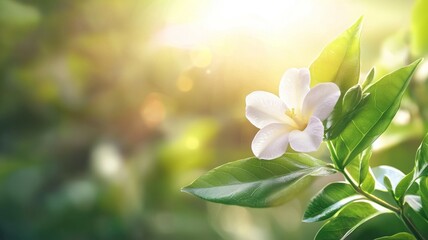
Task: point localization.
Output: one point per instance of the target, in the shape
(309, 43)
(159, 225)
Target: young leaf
(419, 26)
(340, 118)
(347, 220)
(421, 163)
(330, 200)
(359, 170)
(253, 182)
(398, 236)
(351, 98)
(339, 62)
(394, 176)
(369, 79)
(403, 186)
(376, 115)
(364, 165)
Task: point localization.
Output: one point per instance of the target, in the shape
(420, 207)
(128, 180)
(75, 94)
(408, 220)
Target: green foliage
(359, 170)
(347, 220)
(421, 161)
(403, 186)
(369, 79)
(257, 183)
(339, 62)
(419, 26)
(361, 115)
(375, 116)
(352, 98)
(398, 236)
(330, 200)
(424, 194)
(413, 212)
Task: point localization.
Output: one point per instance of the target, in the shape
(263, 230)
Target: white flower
(295, 117)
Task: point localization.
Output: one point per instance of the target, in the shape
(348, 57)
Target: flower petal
(294, 86)
(271, 141)
(309, 139)
(264, 108)
(320, 100)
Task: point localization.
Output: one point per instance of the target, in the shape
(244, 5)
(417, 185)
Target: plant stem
(409, 224)
(397, 210)
(369, 196)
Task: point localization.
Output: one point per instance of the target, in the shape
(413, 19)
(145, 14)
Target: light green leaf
(347, 220)
(369, 79)
(419, 26)
(339, 62)
(330, 200)
(352, 98)
(375, 116)
(398, 236)
(421, 163)
(253, 182)
(394, 175)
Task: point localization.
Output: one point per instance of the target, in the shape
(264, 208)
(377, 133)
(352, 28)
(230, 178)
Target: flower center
(300, 123)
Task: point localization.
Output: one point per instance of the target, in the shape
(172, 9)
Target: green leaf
(339, 62)
(419, 26)
(347, 220)
(375, 116)
(403, 186)
(424, 194)
(352, 98)
(415, 214)
(364, 165)
(398, 236)
(358, 169)
(330, 200)
(421, 161)
(339, 119)
(394, 177)
(369, 79)
(253, 182)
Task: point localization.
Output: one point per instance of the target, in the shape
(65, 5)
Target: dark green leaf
(339, 62)
(419, 26)
(424, 194)
(376, 115)
(330, 200)
(414, 214)
(398, 236)
(258, 183)
(347, 220)
(421, 163)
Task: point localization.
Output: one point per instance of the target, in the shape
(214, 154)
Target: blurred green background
(108, 108)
